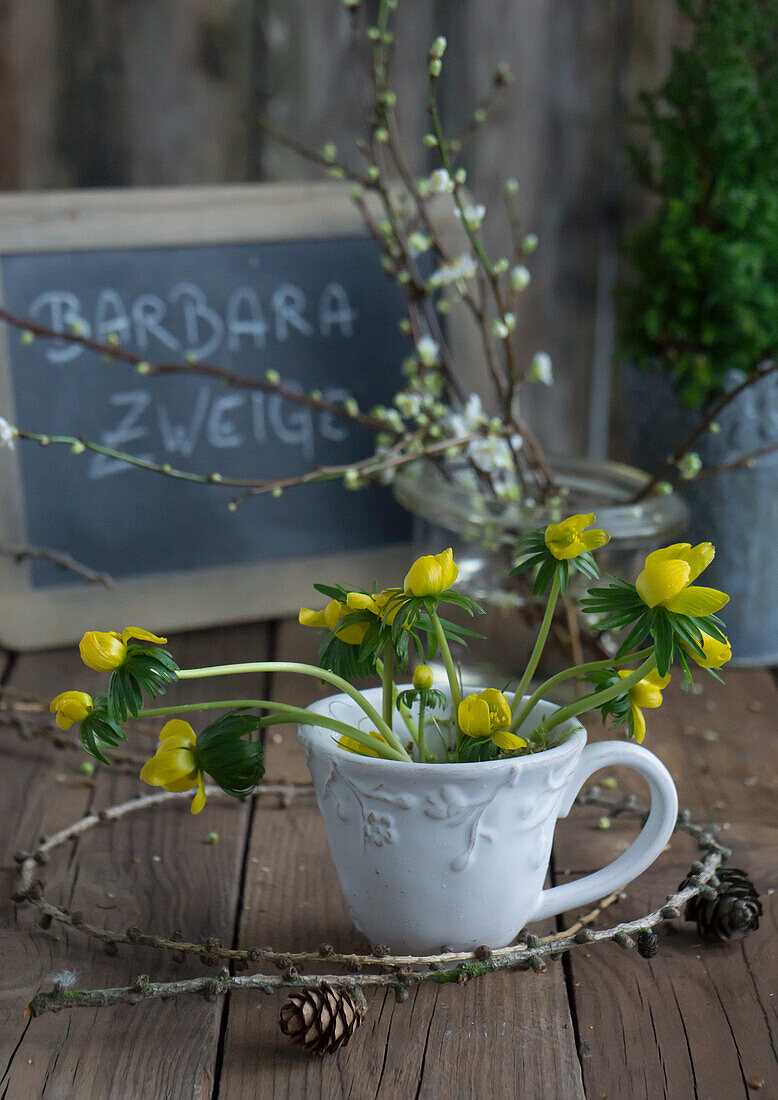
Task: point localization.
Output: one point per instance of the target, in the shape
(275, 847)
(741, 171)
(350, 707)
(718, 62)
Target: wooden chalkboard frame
(34, 617)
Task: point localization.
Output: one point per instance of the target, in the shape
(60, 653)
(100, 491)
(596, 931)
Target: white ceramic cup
(457, 854)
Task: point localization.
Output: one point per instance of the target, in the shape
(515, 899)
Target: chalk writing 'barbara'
(185, 321)
(212, 420)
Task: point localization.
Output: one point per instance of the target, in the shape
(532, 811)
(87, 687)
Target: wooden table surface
(699, 1020)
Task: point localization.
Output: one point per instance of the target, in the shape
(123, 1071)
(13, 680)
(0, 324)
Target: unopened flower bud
(541, 369)
(520, 277)
(690, 465)
(423, 678)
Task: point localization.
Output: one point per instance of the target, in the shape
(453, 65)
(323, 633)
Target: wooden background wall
(98, 93)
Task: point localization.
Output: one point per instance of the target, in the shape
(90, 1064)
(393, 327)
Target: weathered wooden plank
(162, 91)
(153, 870)
(29, 88)
(507, 1033)
(558, 133)
(699, 1019)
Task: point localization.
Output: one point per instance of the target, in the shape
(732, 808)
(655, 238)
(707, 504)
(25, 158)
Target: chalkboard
(245, 278)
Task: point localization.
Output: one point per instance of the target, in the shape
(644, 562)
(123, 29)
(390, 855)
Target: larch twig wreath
(440, 809)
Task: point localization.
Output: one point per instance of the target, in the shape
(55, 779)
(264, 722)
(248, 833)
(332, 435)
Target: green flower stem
(407, 717)
(387, 684)
(590, 702)
(423, 755)
(307, 718)
(448, 660)
(577, 671)
(304, 670)
(286, 713)
(537, 652)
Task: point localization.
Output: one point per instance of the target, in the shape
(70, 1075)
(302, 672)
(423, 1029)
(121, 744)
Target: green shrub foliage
(701, 296)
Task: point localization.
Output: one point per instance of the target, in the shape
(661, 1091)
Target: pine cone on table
(732, 913)
(322, 1018)
(648, 943)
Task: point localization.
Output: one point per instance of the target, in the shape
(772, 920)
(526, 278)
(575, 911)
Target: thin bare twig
(744, 462)
(117, 353)
(60, 559)
(531, 953)
(668, 471)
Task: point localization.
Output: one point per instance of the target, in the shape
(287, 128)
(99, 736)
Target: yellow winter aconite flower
(432, 574)
(645, 693)
(716, 653)
(70, 707)
(423, 678)
(488, 714)
(666, 580)
(569, 538)
(350, 745)
(329, 618)
(384, 604)
(104, 650)
(175, 765)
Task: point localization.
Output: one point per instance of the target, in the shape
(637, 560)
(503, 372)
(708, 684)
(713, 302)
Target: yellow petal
(499, 708)
(180, 730)
(580, 521)
(102, 650)
(352, 634)
(70, 707)
(644, 694)
(508, 741)
(179, 785)
(388, 602)
(432, 574)
(473, 716)
(638, 724)
(568, 539)
(351, 745)
(423, 678)
(697, 601)
(307, 617)
(199, 799)
(562, 539)
(699, 557)
(716, 653)
(668, 553)
(170, 766)
(595, 538)
(141, 635)
(361, 601)
(656, 680)
(661, 581)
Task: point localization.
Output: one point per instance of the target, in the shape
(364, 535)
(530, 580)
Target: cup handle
(644, 849)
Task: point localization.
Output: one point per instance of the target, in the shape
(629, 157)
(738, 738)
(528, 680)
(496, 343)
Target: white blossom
(440, 182)
(428, 350)
(464, 267)
(469, 419)
(8, 434)
(490, 453)
(540, 369)
(473, 215)
(418, 243)
(409, 404)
